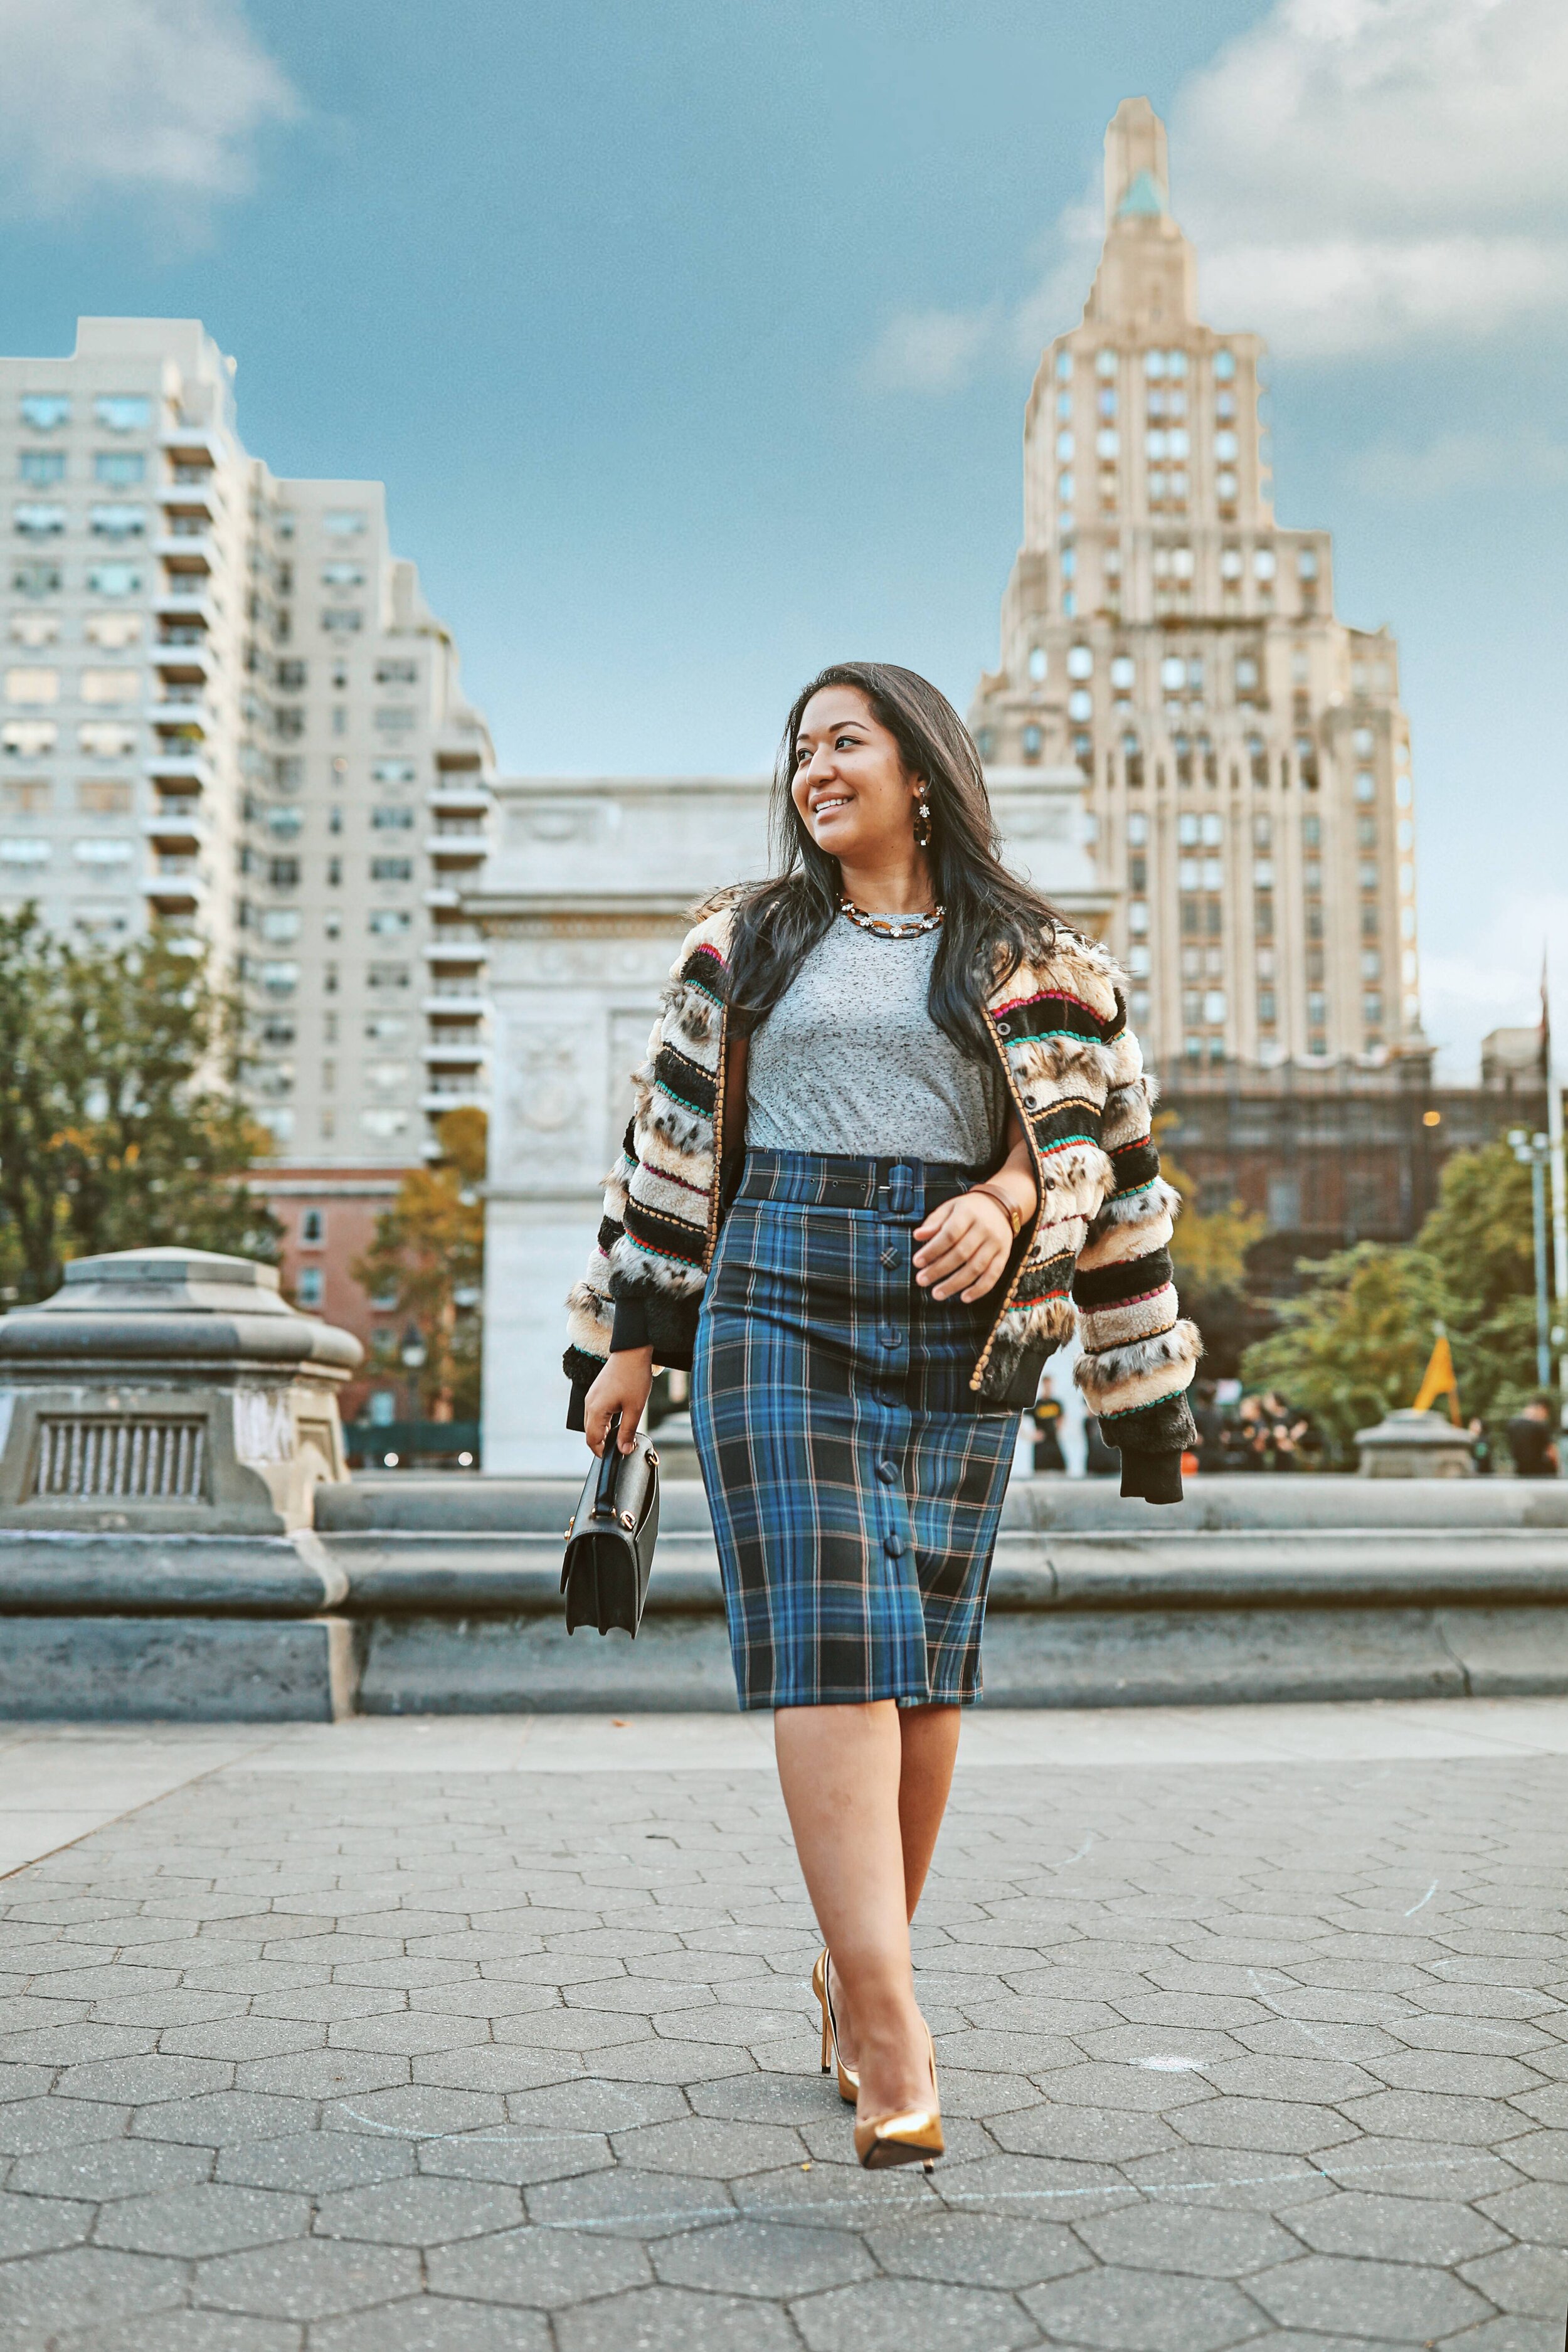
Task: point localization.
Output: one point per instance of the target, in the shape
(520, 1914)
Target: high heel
(848, 2076)
(912, 2137)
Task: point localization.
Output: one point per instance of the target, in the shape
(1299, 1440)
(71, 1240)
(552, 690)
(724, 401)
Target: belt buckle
(900, 1189)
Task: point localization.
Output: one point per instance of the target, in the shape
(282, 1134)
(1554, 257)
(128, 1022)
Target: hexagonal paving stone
(207, 2219)
(1193, 2240)
(186, 2331)
(673, 2319)
(433, 2323)
(1531, 2279)
(311, 2279)
(710, 2151)
(315, 2162)
(1403, 2302)
(1143, 2311)
(761, 2258)
(85, 2286)
(421, 2211)
(1400, 2229)
(548, 2268)
(40, 2225)
(978, 2250)
(632, 2204)
(891, 2314)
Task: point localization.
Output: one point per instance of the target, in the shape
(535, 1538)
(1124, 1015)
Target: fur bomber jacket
(1095, 1253)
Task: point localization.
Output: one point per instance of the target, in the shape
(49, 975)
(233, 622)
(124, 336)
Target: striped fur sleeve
(1139, 1352)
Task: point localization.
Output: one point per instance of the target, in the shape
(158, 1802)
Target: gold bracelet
(1014, 1214)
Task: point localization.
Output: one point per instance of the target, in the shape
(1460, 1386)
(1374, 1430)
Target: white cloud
(160, 98)
(1364, 173)
(1495, 982)
(1458, 461)
(1357, 175)
(930, 351)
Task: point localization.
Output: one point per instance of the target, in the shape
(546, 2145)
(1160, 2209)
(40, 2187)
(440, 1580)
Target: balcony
(455, 950)
(452, 1094)
(193, 445)
(459, 799)
(184, 597)
(187, 710)
(440, 898)
(455, 1054)
(181, 821)
(177, 885)
(180, 765)
(184, 553)
(184, 660)
(188, 501)
(452, 846)
(458, 1001)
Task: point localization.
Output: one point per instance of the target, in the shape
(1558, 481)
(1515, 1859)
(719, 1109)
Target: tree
(118, 1130)
(427, 1259)
(1480, 1239)
(1355, 1344)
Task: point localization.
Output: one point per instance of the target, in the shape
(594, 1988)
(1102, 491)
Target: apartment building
(227, 707)
(1248, 756)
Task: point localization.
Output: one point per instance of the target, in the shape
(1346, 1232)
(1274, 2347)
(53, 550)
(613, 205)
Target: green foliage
(117, 1130)
(1480, 1239)
(429, 1252)
(1355, 1344)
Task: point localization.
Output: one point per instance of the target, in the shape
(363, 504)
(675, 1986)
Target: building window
(308, 1289)
(45, 410)
(122, 412)
(1266, 1013)
(38, 518)
(392, 870)
(120, 469)
(41, 469)
(1038, 663)
(1365, 785)
(1033, 741)
(114, 580)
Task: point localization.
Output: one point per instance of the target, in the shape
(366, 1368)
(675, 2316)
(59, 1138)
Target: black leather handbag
(610, 1538)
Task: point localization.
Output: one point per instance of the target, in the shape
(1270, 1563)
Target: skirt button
(890, 1335)
(887, 1472)
(893, 1545)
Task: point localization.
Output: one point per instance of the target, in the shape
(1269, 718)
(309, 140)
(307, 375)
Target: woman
(892, 1126)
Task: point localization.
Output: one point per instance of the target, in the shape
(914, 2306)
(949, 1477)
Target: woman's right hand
(622, 1387)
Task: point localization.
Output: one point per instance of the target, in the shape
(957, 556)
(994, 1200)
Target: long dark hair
(992, 920)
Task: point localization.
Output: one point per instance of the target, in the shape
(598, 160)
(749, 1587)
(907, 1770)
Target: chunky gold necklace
(892, 927)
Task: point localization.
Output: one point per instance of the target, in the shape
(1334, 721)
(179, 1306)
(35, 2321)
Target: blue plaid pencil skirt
(854, 1487)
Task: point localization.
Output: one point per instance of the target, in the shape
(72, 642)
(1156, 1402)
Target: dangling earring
(922, 822)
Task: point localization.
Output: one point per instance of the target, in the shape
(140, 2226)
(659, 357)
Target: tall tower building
(1248, 757)
(226, 705)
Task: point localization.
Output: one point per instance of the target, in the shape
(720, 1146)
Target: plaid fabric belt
(903, 1189)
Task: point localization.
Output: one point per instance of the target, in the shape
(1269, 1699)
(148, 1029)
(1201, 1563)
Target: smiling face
(855, 795)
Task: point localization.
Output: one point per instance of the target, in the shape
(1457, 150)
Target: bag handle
(609, 1471)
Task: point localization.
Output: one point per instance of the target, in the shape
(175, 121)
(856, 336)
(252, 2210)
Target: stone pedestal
(168, 1392)
(1409, 1445)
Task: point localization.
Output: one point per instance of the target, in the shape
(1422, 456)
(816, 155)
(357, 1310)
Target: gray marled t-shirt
(850, 1060)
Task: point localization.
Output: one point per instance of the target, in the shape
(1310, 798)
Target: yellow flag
(1440, 1380)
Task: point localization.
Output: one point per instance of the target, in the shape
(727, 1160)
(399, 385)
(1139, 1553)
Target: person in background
(1047, 1417)
(1481, 1448)
(1530, 1440)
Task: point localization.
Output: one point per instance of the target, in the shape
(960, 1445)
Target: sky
(693, 343)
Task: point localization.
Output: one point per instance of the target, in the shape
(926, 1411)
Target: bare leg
(928, 1737)
(841, 1769)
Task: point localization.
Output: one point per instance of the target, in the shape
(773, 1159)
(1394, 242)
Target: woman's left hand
(965, 1244)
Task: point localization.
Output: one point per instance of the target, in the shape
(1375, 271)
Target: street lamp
(413, 1352)
(1533, 1151)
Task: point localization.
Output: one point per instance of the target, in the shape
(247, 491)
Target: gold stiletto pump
(848, 2079)
(912, 2137)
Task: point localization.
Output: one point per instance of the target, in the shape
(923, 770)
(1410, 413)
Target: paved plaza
(495, 2036)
